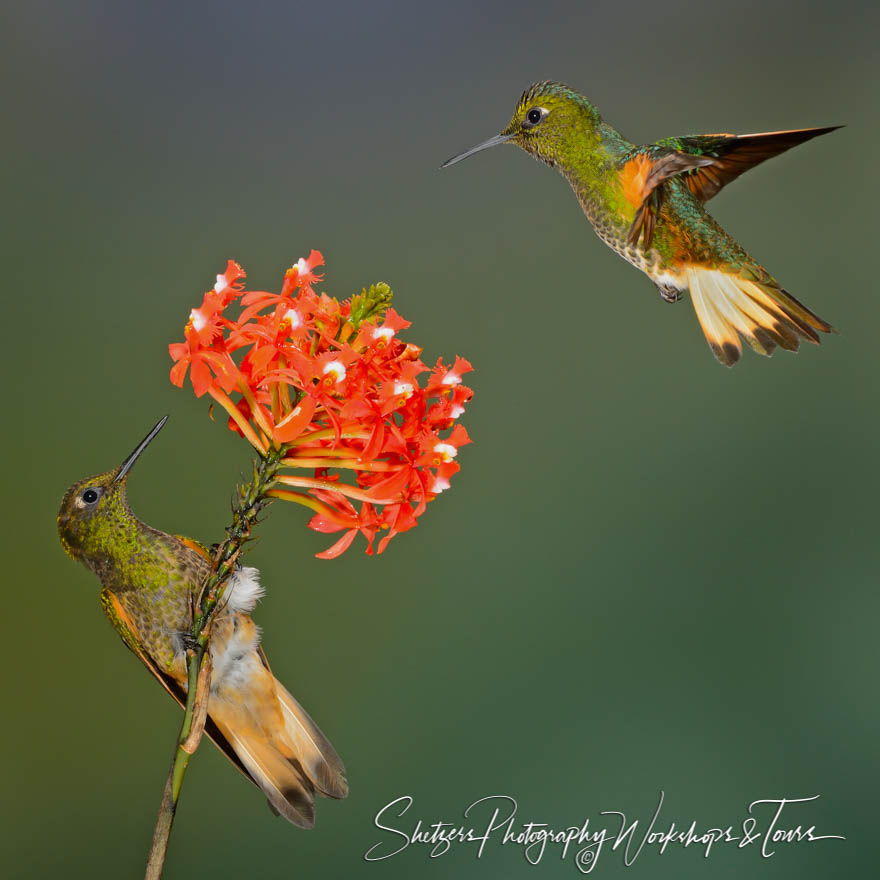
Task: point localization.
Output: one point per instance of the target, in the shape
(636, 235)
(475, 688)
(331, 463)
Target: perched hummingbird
(151, 582)
(647, 203)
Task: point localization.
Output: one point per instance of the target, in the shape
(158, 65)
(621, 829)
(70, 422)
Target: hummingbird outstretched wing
(705, 162)
(643, 173)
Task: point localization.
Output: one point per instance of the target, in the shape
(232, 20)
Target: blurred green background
(652, 572)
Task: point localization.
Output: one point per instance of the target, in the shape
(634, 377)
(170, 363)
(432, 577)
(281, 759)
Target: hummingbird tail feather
(311, 748)
(289, 792)
(271, 735)
(729, 306)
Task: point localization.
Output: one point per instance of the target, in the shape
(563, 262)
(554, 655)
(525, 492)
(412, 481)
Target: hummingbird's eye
(90, 496)
(533, 117)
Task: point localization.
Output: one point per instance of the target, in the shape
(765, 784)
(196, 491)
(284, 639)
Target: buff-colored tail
(729, 306)
(272, 736)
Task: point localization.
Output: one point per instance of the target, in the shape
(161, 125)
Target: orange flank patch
(634, 177)
(194, 545)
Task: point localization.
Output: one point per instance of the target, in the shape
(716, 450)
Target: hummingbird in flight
(648, 204)
(150, 586)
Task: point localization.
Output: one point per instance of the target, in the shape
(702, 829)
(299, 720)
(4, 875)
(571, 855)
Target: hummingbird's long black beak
(127, 464)
(492, 142)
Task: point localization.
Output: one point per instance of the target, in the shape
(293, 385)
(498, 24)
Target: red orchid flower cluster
(328, 386)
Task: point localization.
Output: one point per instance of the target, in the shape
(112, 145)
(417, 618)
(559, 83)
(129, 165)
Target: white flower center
(404, 388)
(199, 321)
(335, 369)
(451, 379)
(446, 451)
(302, 266)
(221, 284)
(293, 318)
(440, 484)
(456, 411)
(383, 333)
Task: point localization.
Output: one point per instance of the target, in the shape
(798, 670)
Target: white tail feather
(730, 307)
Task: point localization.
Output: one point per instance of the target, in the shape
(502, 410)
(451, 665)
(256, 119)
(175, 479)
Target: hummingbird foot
(188, 641)
(670, 294)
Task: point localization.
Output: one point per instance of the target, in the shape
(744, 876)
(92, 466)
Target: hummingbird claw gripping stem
(189, 641)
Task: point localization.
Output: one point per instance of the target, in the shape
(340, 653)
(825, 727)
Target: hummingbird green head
(93, 511)
(549, 122)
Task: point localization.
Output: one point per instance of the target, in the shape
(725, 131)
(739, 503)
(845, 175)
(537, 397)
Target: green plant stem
(252, 498)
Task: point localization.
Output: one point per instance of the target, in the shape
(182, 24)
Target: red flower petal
(295, 422)
(339, 547)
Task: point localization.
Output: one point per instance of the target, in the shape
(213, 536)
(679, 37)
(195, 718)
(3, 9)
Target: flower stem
(323, 433)
(253, 497)
(256, 411)
(340, 463)
(341, 488)
(344, 521)
(238, 418)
